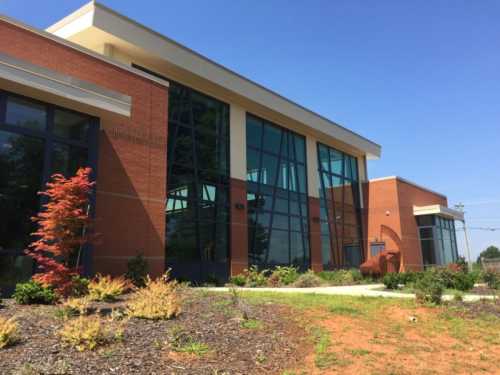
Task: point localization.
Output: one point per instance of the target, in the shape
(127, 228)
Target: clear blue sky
(420, 78)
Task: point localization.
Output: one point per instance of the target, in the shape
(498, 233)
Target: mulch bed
(278, 343)
(475, 309)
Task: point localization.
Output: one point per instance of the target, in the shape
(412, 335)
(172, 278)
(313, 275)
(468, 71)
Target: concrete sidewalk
(368, 290)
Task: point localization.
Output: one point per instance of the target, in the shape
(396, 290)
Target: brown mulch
(473, 310)
(276, 344)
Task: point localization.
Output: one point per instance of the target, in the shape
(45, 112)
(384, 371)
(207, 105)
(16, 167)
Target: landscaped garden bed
(213, 334)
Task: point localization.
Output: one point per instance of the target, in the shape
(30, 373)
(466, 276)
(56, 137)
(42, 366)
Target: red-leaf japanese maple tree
(62, 230)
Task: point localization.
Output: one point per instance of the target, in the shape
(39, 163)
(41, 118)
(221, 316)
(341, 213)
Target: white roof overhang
(439, 210)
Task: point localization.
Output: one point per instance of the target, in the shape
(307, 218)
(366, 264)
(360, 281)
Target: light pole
(460, 207)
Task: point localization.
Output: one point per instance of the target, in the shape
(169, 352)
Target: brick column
(238, 227)
(315, 235)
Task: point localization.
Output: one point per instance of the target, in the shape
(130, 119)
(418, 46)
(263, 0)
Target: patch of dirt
(473, 310)
(212, 320)
(400, 341)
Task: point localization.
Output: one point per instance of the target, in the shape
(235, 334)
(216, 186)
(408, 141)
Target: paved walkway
(368, 290)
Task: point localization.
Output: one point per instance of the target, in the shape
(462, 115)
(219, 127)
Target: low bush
(492, 279)
(85, 333)
(159, 299)
(464, 281)
(137, 270)
(33, 292)
(283, 276)
(391, 280)
(238, 280)
(453, 277)
(342, 277)
(76, 306)
(255, 278)
(106, 288)
(429, 288)
(308, 280)
(79, 286)
(8, 332)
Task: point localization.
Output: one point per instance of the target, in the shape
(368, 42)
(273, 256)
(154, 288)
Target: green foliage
(283, 276)
(342, 277)
(137, 270)
(455, 278)
(429, 288)
(33, 292)
(238, 280)
(492, 279)
(79, 286)
(491, 252)
(308, 280)
(391, 280)
(255, 278)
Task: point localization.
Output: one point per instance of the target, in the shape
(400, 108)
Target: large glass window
(36, 140)
(197, 206)
(438, 240)
(276, 195)
(340, 210)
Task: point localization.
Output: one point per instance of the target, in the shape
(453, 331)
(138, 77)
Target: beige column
(237, 137)
(312, 167)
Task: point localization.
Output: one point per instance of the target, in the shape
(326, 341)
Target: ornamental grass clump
(76, 306)
(85, 333)
(8, 332)
(159, 299)
(106, 288)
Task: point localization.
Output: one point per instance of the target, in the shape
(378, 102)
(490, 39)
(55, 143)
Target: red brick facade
(238, 227)
(390, 217)
(132, 151)
(315, 235)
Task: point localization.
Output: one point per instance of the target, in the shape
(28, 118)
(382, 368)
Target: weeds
(105, 288)
(8, 332)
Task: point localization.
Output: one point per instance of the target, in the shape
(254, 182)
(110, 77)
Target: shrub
(84, 333)
(79, 286)
(238, 280)
(254, 278)
(341, 277)
(33, 292)
(409, 277)
(308, 280)
(429, 287)
(391, 280)
(76, 306)
(62, 230)
(137, 270)
(464, 281)
(8, 332)
(283, 276)
(106, 288)
(159, 299)
(492, 279)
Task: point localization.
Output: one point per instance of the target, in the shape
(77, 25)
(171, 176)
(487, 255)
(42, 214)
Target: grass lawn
(361, 335)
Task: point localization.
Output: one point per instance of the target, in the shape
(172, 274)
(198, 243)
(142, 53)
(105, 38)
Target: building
(412, 220)
(197, 168)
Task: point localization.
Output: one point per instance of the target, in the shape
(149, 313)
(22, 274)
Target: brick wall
(131, 182)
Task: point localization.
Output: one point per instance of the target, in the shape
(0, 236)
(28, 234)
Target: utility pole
(460, 207)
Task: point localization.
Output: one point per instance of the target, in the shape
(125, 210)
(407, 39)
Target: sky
(420, 78)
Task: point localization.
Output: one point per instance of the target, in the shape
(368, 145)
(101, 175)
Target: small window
(376, 248)
(25, 113)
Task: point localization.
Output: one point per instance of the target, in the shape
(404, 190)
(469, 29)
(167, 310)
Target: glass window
(21, 173)
(340, 208)
(70, 125)
(67, 159)
(198, 164)
(376, 248)
(282, 213)
(26, 113)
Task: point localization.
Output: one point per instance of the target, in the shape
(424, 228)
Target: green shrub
(409, 277)
(137, 270)
(341, 277)
(238, 280)
(492, 279)
(283, 276)
(429, 287)
(32, 292)
(254, 278)
(464, 281)
(80, 286)
(308, 280)
(391, 280)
